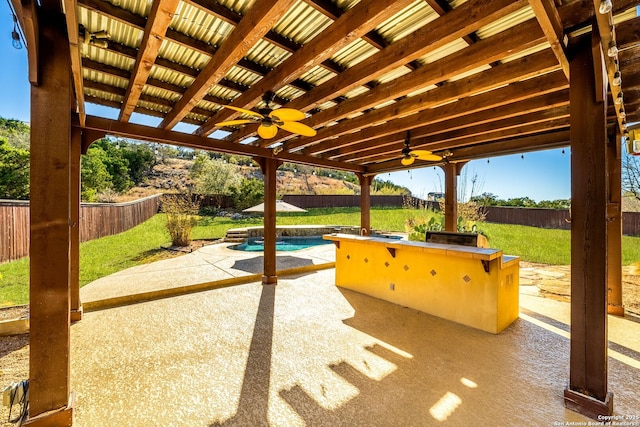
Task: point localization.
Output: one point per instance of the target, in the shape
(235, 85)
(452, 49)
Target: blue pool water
(282, 244)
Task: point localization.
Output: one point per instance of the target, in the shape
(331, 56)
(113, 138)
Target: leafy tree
(16, 132)
(249, 193)
(116, 163)
(140, 160)
(631, 176)
(214, 177)
(95, 177)
(14, 171)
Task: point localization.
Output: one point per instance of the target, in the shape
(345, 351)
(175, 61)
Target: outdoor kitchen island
(477, 287)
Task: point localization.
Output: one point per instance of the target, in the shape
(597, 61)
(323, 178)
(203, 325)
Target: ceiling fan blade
(288, 114)
(407, 160)
(298, 128)
(425, 155)
(267, 131)
(234, 122)
(245, 111)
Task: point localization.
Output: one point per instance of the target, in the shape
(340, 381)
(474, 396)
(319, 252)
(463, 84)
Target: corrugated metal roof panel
(317, 75)
(267, 54)
(423, 90)
(289, 92)
(242, 76)
(407, 21)
(104, 56)
(505, 23)
(470, 73)
(526, 52)
(177, 53)
(161, 93)
(223, 92)
(393, 74)
(169, 76)
(444, 51)
(118, 32)
(138, 7)
(198, 117)
(301, 23)
(153, 106)
(105, 78)
(354, 52)
(210, 106)
(358, 90)
(200, 25)
(240, 6)
(103, 95)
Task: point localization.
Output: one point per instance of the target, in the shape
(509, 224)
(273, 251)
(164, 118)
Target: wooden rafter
(504, 102)
(547, 15)
(488, 50)
(350, 26)
(251, 28)
(432, 137)
(157, 24)
(509, 72)
(74, 51)
(424, 40)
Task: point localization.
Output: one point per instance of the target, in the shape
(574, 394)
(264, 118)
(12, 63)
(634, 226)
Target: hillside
(173, 175)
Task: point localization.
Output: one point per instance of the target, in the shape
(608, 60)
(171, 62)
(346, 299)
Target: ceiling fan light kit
(271, 120)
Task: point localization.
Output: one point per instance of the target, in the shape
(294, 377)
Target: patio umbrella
(280, 207)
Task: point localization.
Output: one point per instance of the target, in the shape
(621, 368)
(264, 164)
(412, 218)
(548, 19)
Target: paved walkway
(308, 353)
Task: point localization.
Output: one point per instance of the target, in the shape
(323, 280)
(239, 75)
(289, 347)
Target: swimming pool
(283, 244)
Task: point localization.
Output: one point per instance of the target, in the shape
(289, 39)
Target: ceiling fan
(409, 155)
(270, 120)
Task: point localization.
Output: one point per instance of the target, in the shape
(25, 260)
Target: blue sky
(543, 175)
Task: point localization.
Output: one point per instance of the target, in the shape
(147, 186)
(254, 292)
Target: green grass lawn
(143, 244)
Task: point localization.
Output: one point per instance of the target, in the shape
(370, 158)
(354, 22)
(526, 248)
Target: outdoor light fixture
(618, 99)
(613, 49)
(617, 79)
(605, 7)
(15, 37)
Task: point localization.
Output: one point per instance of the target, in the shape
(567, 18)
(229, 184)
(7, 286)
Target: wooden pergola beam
(157, 24)
(354, 23)
(250, 29)
(74, 52)
(164, 136)
(549, 20)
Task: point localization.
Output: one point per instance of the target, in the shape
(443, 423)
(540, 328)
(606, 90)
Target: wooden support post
(269, 167)
(365, 203)
(587, 392)
(49, 392)
(614, 227)
(74, 254)
(451, 172)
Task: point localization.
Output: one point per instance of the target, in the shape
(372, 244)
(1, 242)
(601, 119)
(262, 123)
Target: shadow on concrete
(254, 394)
(255, 265)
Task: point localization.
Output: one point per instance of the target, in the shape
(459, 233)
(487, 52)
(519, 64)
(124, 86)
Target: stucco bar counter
(477, 287)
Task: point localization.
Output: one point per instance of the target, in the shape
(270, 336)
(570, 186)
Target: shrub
(181, 213)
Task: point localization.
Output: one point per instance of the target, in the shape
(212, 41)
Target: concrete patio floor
(305, 352)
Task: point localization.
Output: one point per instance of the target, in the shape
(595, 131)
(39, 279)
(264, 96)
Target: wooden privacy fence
(96, 220)
(551, 218)
(347, 200)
